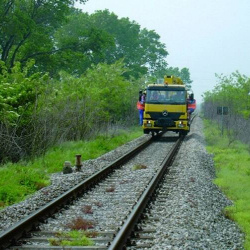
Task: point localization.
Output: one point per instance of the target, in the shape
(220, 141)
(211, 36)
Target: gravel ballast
(192, 215)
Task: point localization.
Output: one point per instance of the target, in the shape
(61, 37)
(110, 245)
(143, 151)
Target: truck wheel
(183, 133)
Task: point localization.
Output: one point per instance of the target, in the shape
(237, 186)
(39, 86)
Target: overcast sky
(205, 36)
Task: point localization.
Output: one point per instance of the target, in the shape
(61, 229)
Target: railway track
(128, 207)
(183, 213)
(144, 233)
(23, 232)
(23, 228)
(128, 229)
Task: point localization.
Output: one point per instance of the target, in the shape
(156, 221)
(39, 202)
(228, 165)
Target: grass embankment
(232, 161)
(24, 178)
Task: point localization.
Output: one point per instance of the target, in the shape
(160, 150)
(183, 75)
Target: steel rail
(127, 228)
(193, 116)
(24, 226)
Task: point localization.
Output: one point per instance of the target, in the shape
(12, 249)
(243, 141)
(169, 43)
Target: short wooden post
(78, 162)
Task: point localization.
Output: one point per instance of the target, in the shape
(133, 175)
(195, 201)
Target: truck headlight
(148, 124)
(181, 125)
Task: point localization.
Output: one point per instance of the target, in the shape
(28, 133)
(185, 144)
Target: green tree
(140, 49)
(183, 73)
(233, 92)
(81, 43)
(27, 27)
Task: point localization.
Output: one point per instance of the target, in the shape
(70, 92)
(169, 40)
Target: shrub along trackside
(28, 177)
(37, 113)
(232, 161)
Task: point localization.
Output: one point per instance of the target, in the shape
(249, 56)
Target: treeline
(232, 92)
(60, 37)
(37, 112)
(66, 74)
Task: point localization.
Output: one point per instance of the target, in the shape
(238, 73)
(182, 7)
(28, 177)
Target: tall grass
(24, 178)
(232, 161)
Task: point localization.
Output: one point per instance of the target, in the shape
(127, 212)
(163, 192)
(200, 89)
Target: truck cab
(166, 107)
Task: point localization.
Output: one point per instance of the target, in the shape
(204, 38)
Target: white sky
(205, 36)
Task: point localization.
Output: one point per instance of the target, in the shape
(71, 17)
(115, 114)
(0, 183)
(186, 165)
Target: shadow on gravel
(167, 139)
(196, 137)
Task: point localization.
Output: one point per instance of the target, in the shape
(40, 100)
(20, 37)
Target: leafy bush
(37, 114)
(18, 93)
(232, 92)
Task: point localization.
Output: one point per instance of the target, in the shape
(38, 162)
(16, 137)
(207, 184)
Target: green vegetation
(139, 166)
(65, 74)
(228, 138)
(111, 39)
(233, 92)
(27, 30)
(66, 77)
(24, 178)
(72, 238)
(35, 114)
(183, 73)
(62, 38)
(232, 161)
(18, 92)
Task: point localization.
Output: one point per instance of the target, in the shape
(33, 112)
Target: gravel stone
(191, 216)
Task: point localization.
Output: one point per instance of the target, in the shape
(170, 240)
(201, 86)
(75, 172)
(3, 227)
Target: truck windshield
(166, 96)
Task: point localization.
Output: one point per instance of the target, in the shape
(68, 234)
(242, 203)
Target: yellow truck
(166, 107)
